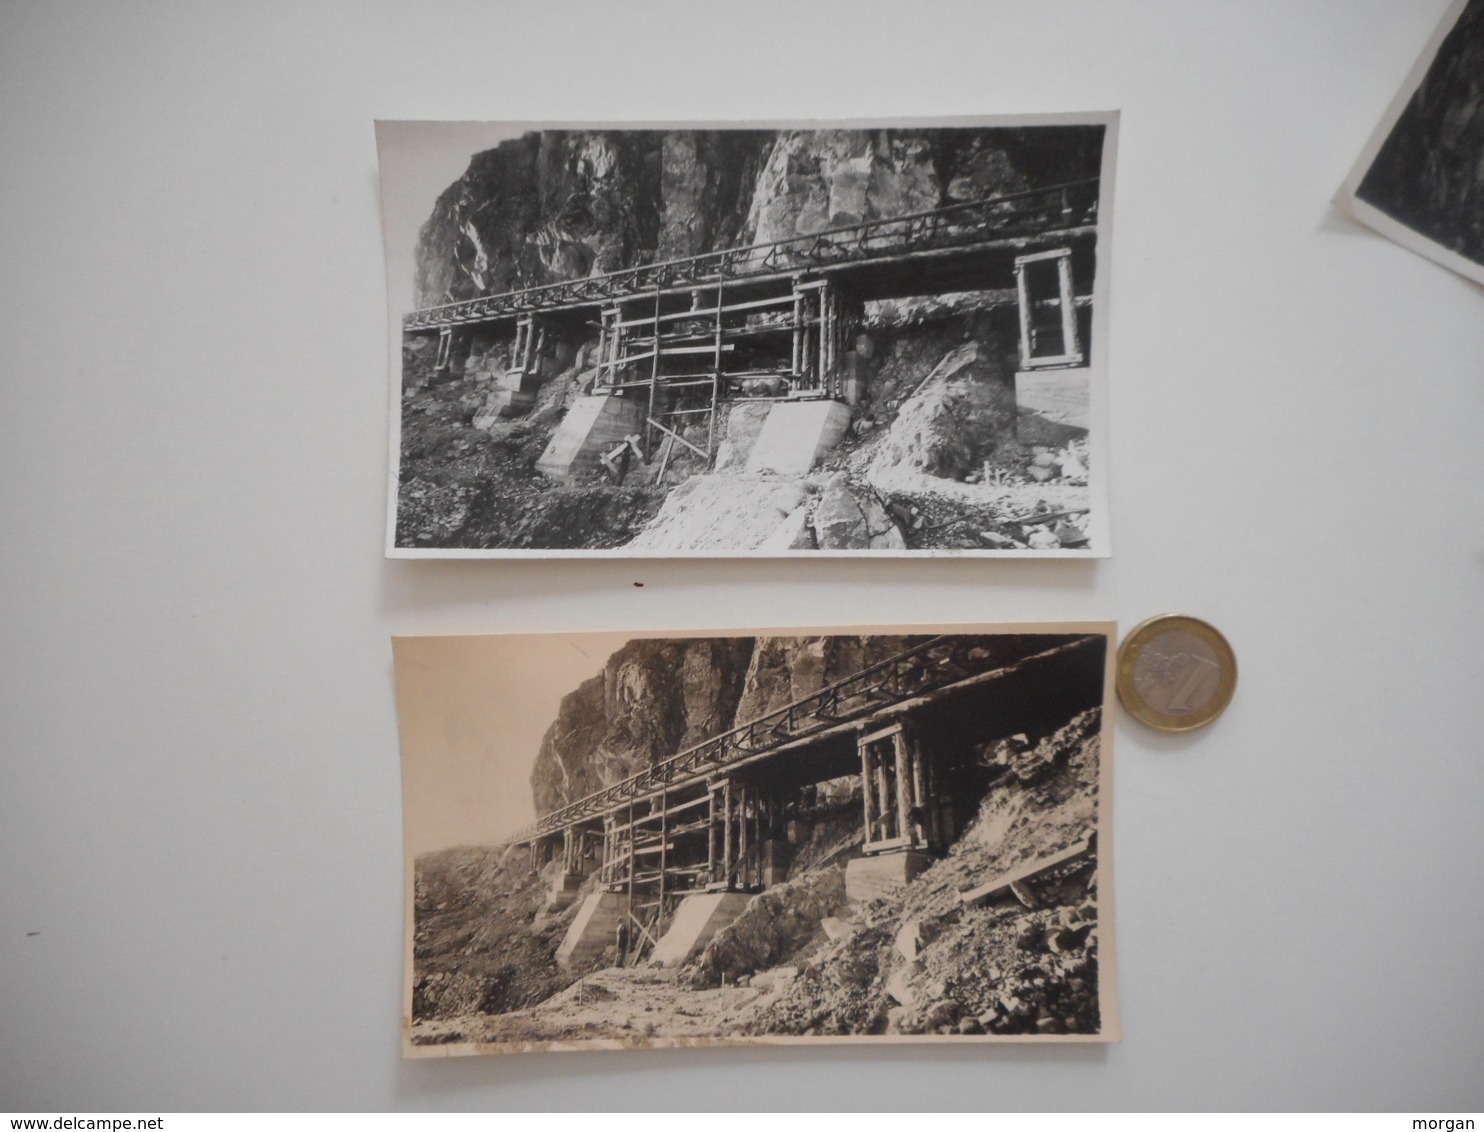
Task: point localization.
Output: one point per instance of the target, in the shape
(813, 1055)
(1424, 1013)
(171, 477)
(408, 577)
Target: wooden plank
(665, 847)
(620, 361)
(654, 372)
(645, 850)
(778, 300)
(904, 787)
(886, 818)
(715, 380)
(726, 836)
(679, 350)
(677, 436)
(666, 449)
(1016, 877)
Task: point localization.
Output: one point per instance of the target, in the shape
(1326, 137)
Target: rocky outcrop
(711, 512)
(1023, 960)
(921, 464)
(562, 204)
(636, 712)
(846, 519)
(817, 179)
(950, 422)
(706, 182)
(784, 669)
(540, 208)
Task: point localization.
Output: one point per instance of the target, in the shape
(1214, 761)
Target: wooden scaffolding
(685, 351)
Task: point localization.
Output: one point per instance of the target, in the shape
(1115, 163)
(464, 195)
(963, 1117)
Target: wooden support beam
(798, 332)
(781, 299)
(742, 843)
(919, 794)
(631, 857)
(658, 847)
(653, 816)
(715, 382)
(711, 835)
(904, 787)
(826, 329)
(1003, 884)
(664, 859)
(666, 449)
(654, 371)
(677, 436)
(726, 841)
(883, 795)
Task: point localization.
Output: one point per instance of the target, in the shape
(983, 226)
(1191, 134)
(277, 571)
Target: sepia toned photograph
(743, 340)
(1420, 180)
(881, 835)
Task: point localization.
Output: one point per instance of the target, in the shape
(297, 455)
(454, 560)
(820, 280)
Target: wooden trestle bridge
(773, 320)
(720, 816)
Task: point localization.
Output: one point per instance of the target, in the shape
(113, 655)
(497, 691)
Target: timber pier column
(453, 350)
(898, 813)
(736, 836)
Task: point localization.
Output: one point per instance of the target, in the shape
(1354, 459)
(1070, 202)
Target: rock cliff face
(936, 454)
(563, 204)
(783, 669)
(635, 712)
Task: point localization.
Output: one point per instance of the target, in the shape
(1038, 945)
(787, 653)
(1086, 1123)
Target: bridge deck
(933, 252)
(936, 665)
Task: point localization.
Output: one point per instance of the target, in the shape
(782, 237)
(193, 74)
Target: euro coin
(1175, 673)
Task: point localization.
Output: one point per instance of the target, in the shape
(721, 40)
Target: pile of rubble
(1000, 937)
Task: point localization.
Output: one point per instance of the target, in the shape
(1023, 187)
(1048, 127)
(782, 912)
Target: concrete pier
(592, 426)
(594, 930)
(871, 878)
(696, 921)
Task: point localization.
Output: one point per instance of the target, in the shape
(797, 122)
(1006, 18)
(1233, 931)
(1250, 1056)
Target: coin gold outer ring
(1128, 655)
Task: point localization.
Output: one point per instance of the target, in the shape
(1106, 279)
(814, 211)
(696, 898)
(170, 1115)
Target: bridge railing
(935, 663)
(1031, 212)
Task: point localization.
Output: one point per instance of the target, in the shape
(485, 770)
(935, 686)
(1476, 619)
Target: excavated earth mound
(475, 949)
(928, 963)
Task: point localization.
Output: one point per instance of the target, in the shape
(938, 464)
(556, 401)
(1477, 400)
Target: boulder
(773, 979)
(946, 425)
(908, 941)
(839, 523)
(845, 521)
(835, 928)
(941, 1014)
(774, 925)
(900, 983)
(715, 512)
(1042, 539)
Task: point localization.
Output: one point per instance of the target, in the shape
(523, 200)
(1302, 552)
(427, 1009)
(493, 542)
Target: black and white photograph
(891, 835)
(1420, 180)
(747, 340)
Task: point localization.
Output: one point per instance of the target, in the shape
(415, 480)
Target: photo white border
(1368, 214)
(1099, 542)
(1109, 1002)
